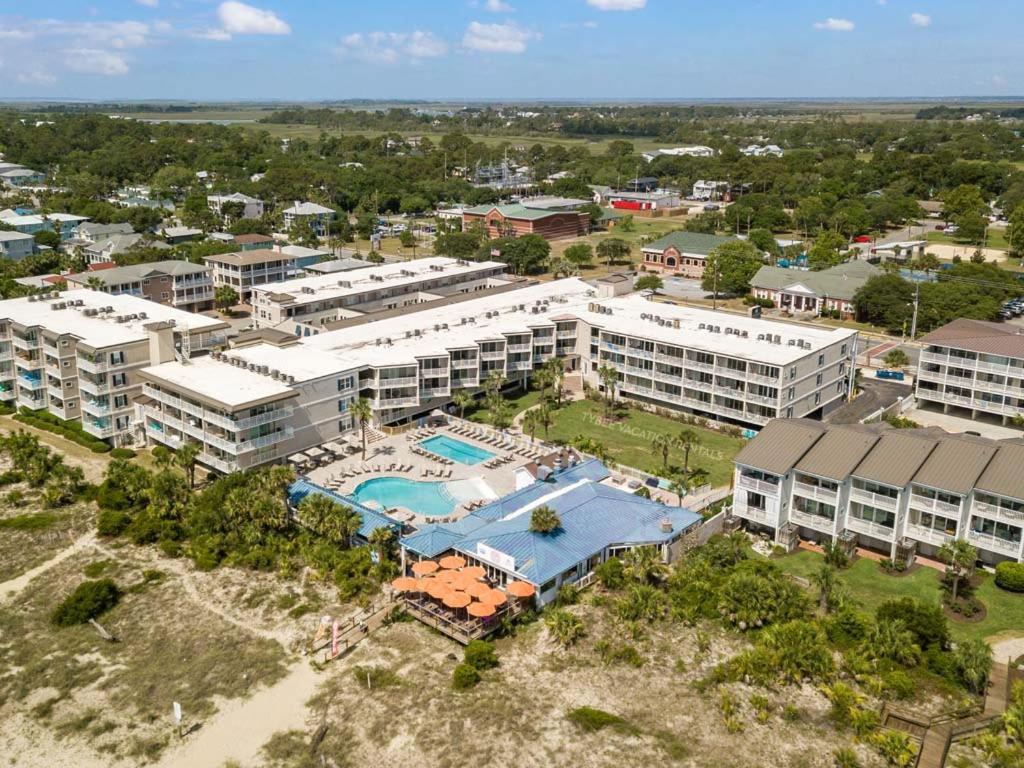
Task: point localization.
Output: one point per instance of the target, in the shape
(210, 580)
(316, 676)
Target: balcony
(994, 543)
(513, 348)
(816, 522)
(95, 407)
(157, 433)
(7, 394)
(612, 347)
(762, 516)
(494, 355)
(32, 360)
(816, 492)
(869, 528)
(31, 382)
(520, 365)
(32, 403)
(174, 400)
(27, 345)
(99, 366)
(928, 535)
(871, 499)
(434, 392)
(994, 512)
(261, 442)
(636, 370)
(94, 387)
(394, 402)
(405, 381)
(566, 334)
(53, 391)
(227, 467)
(934, 505)
(760, 486)
(763, 399)
(464, 364)
(98, 428)
(646, 354)
(695, 365)
(756, 377)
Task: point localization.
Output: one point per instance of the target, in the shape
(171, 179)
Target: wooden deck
(447, 622)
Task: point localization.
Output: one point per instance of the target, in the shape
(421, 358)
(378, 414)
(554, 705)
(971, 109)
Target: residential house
(318, 216)
(245, 270)
(680, 252)
(253, 242)
(21, 177)
(177, 283)
(16, 245)
(252, 206)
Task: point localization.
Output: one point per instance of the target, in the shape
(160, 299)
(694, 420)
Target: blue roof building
(597, 522)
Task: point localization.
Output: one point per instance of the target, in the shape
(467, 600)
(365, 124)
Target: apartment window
(821, 360)
(817, 398)
(117, 358)
(791, 393)
(121, 401)
(122, 422)
(842, 368)
(164, 295)
(67, 384)
(146, 281)
(119, 379)
(64, 342)
(343, 406)
(347, 383)
(842, 350)
(65, 364)
(789, 413)
(755, 500)
(839, 386)
(70, 403)
(792, 372)
(818, 380)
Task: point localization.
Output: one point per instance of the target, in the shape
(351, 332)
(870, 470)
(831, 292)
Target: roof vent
(778, 339)
(666, 525)
(675, 323)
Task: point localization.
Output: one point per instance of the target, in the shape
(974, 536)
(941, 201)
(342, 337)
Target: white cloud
(216, 34)
(11, 33)
(35, 77)
(116, 34)
(617, 5)
(392, 47)
(240, 19)
(498, 6)
(920, 19)
(93, 61)
(497, 38)
(148, 3)
(835, 25)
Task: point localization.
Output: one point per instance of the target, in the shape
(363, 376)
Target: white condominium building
(305, 305)
(973, 366)
(716, 364)
(78, 355)
(895, 491)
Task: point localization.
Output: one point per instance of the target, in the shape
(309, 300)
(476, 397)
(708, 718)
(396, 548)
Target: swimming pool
(429, 499)
(456, 450)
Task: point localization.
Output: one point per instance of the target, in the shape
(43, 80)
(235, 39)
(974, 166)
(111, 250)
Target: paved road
(875, 394)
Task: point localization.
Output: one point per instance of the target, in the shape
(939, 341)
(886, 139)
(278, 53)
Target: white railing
(102, 432)
(434, 392)
(94, 387)
(994, 543)
(462, 364)
(647, 354)
(566, 334)
(91, 406)
(869, 528)
(763, 516)
(763, 399)
(520, 365)
(404, 381)
(927, 535)
(760, 486)
(55, 391)
(519, 347)
(996, 512)
(816, 522)
(26, 344)
(497, 355)
(395, 402)
(26, 382)
(695, 366)
(815, 492)
(872, 499)
(756, 377)
(934, 505)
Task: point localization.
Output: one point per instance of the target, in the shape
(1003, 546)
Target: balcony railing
(395, 402)
(818, 523)
(434, 392)
(760, 486)
(495, 355)
(994, 543)
(934, 505)
(928, 535)
(566, 334)
(94, 407)
(876, 500)
(997, 513)
(763, 516)
(26, 344)
(816, 492)
(405, 381)
(98, 429)
(30, 382)
(100, 366)
(512, 348)
(762, 379)
(463, 364)
(869, 528)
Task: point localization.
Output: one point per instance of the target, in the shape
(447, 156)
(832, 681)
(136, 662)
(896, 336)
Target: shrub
(613, 652)
(89, 600)
(122, 453)
(898, 684)
(480, 655)
(610, 574)
(591, 719)
(464, 677)
(926, 622)
(37, 521)
(1010, 576)
(112, 522)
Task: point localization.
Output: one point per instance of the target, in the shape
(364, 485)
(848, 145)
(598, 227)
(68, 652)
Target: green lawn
(871, 587)
(520, 402)
(996, 238)
(628, 440)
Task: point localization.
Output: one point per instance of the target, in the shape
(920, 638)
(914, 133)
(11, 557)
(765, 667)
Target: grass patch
(373, 678)
(870, 586)
(592, 720)
(519, 402)
(628, 440)
(33, 521)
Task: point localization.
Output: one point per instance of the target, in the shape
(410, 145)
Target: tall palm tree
(556, 366)
(662, 443)
(825, 578)
(959, 557)
(544, 519)
(609, 377)
(542, 380)
(185, 458)
(362, 412)
(381, 540)
(643, 565)
(679, 484)
(531, 423)
(462, 399)
(543, 417)
(688, 439)
(95, 283)
(973, 660)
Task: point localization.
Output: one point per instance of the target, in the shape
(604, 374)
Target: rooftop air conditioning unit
(778, 339)
(378, 342)
(702, 326)
(143, 315)
(792, 343)
(728, 331)
(675, 323)
(253, 367)
(344, 284)
(417, 332)
(437, 327)
(666, 525)
(444, 326)
(79, 302)
(408, 334)
(388, 342)
(108, 309)
(275, 373)
(291, 379)
(265, 369)
(744, 334)
(718, 329)
(644, 316)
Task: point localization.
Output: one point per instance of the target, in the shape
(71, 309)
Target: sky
(202, 50)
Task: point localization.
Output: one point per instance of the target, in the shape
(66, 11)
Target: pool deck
(385, 455)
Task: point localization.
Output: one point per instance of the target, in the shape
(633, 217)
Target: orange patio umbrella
(424, 567)
(448, 577)
(520, 589)
(480, 610)
(473, 572)
(406, 584)
(452, 562)
(477, 589)
(494, 597)
(438, 589)
(457, 600)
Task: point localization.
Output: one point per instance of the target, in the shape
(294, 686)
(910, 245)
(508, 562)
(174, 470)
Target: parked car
(862, 239)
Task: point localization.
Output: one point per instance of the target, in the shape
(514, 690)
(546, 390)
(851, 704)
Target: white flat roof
(101, 330)
(359, 280)
(303, 363)
(219, 382)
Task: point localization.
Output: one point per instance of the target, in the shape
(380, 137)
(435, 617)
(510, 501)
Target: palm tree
(688, 439)
(543, 417)
(609, 377)
(959, 557)
(328, 518)
(589, 445)
(698, 476)
(679, 485)
(381, 540)
(662, 443)
(162, 457)
(973, 660)
(825, 578)
(362, 412)
(893, 641)
(544, 519)
(95, 283)
(542, 380)
(531, 423)
(556, 366)
(186, 458)
(565, 628)
(642, 565)
(462, 399)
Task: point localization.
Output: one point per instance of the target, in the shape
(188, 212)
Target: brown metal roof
(1004, 475)
(250, 238)
(895, 458)
(956, 463)
(980, 336)
(257, 256)
(780, 445)
(838, 452)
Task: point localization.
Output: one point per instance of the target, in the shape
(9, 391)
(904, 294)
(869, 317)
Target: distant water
(192, 120)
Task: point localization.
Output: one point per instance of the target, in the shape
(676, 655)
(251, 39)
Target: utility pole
(917, 301)
(714, 305)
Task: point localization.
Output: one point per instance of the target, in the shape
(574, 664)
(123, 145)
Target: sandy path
(241, 728)
(10, 588)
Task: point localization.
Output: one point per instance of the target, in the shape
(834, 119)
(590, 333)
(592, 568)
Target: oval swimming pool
(428, 499)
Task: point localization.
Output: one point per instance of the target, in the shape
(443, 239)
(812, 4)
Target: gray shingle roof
(840, 282)
(838, 452)
(895, 458)
(780, 445)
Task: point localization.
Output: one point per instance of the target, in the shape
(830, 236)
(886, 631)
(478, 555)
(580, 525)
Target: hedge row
(1010, 576)
(70, 430)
